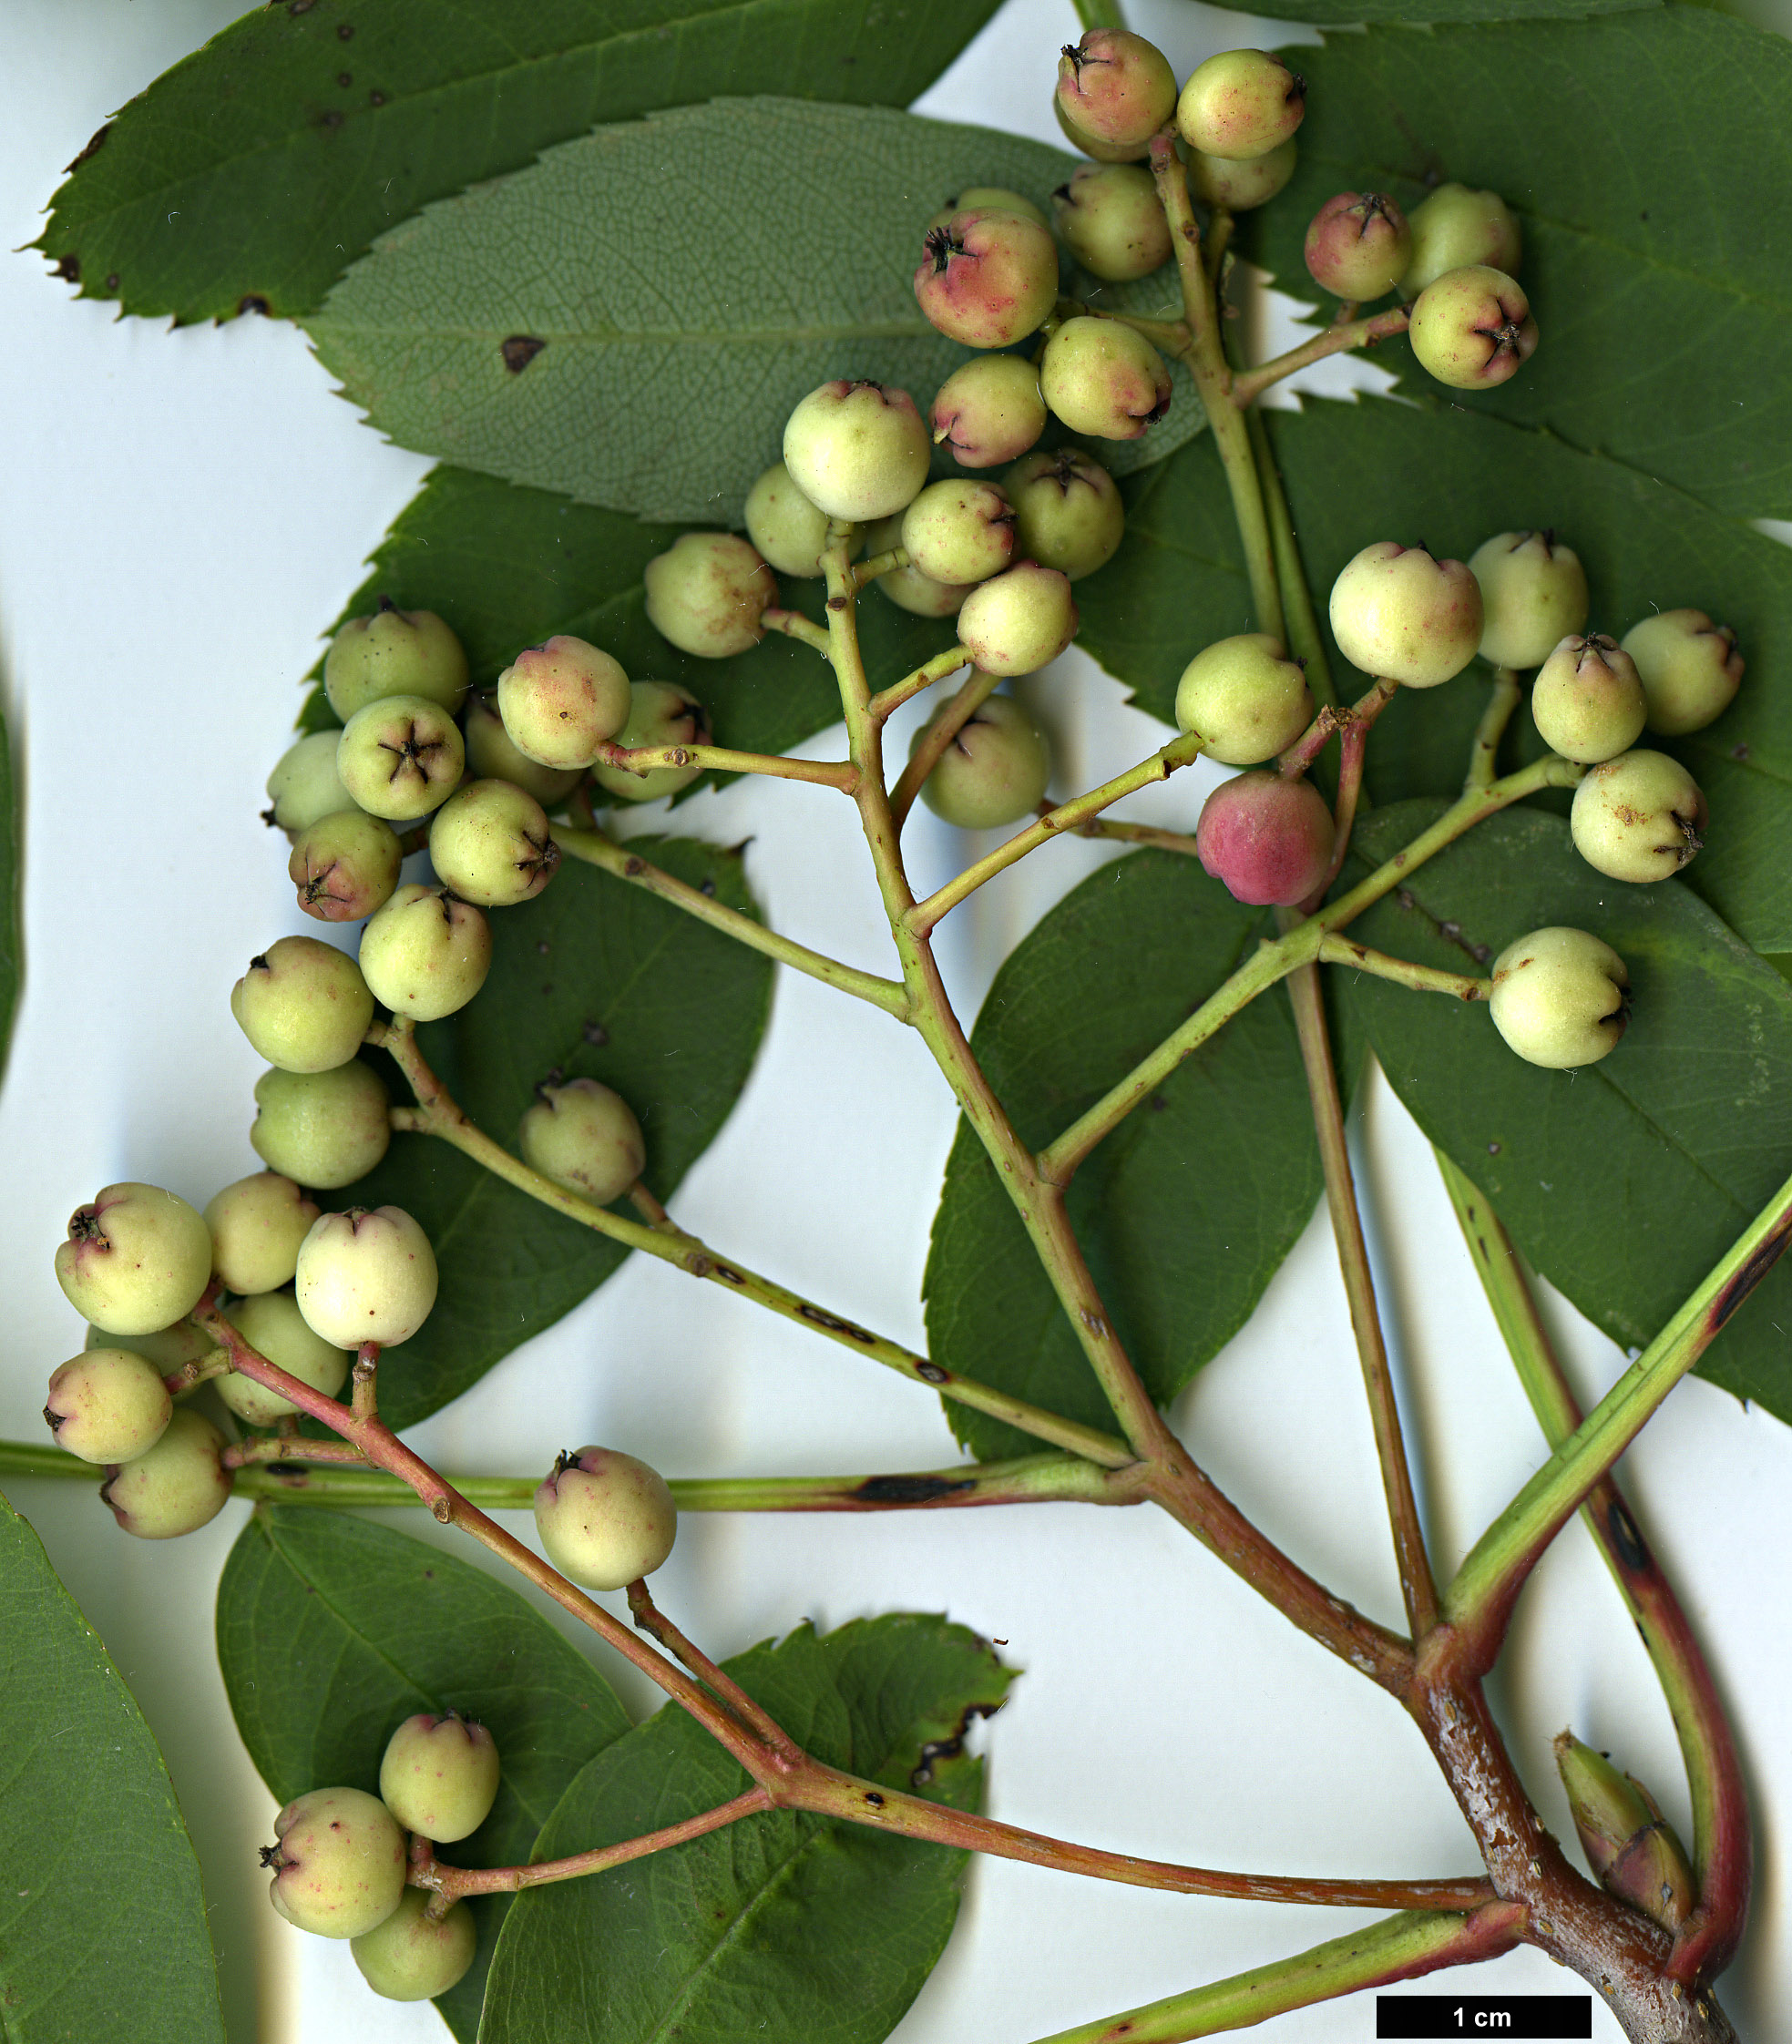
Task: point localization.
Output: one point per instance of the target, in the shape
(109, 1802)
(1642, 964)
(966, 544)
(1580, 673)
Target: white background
(182, 512)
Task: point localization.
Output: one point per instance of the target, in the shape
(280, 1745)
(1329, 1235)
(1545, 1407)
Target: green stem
(1306, 640)
(1141, 834)
(794, 625)
(1250, 384)
(1424, 979)
(923, 678)
(643, 759)
(1180, 752)
(1417, 1587)
(596, 850)
(436, 1114)
(1402, 1947)
(930, 746)
(1058, 1162)
(1207, 364)
(454, 1882)
(1723, 1853)
(1100, 13)
(877, 565)
(1479, 1602)
(1493, 728)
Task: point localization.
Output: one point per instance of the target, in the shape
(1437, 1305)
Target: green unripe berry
(1068, 511)
(426, 955)
(1533, 595)
(393, 653)
(1245, 697)
(166, 1349)
(959, 532)
(323, 1128)
(1116, 87)
(993, 773)
(1398, 614)
(1240, 186)
(787, 529)
(1018, 621)
(1472, 328)
(985, 199)
(303, 1005)
(413, 1957)
(1689, 666)
(439, 1776)
(492, 754)
(1240, 105)
(108, 1405)
(1358, 245)
(1109, 217)
(174, 1486)
(708, 593)
(1639, 817)
(585, 1138)
(272, 1325)
(135, 1259)
(340, 1866)
(561, 701)
(304, 784)
(490, 844)
(989, 410)
(1105, 379)
(257, 1225)
(365, 1276)
(345, 865)
(1560, 998)
(660, 713)
(1587, 700)
(858, 451)
(908, 588)
(1454, 228)
(400, 756)
(604, 1519)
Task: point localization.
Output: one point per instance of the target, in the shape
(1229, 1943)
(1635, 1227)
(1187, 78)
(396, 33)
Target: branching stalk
(1722, 1850)
(1480, 1601)
(1424, 979)
(930, 747)
(923, 678)
(794, 625)
(598, 850)
(1491, 729)
(1180, 752)
(644, 759)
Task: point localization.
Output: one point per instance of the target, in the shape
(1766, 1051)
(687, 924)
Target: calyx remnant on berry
(989, 411)
(1533, 595)
(1399, 613)
(136, 1259)
(1472, 328)
(1102, 378)
(1115, 87)
(988, 278)
(604, 1519)
(856, 450)
(1587, 700)
(1358, 245)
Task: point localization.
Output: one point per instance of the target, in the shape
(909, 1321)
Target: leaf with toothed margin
(1625, 1181)
(255, 171)
(333, 1632)
(782, 1925)
(673, 355)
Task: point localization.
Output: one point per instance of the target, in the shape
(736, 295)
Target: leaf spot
(519, 350)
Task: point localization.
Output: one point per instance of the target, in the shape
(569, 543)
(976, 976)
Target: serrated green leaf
(1625, 1181)
(102, 1918)
(11, 923)
(674, 341)
(1184, 1213)
(781, 1925)
(1432, 473)
(1657, 243)
(509, 567)
(254, 172)
(333, 1632)
(599, 980)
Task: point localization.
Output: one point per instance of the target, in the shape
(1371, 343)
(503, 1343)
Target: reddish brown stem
(649, 1619)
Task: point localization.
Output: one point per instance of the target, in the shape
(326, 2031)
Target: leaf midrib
(612, 336)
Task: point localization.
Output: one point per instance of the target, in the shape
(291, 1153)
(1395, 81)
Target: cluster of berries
(341, 1857)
